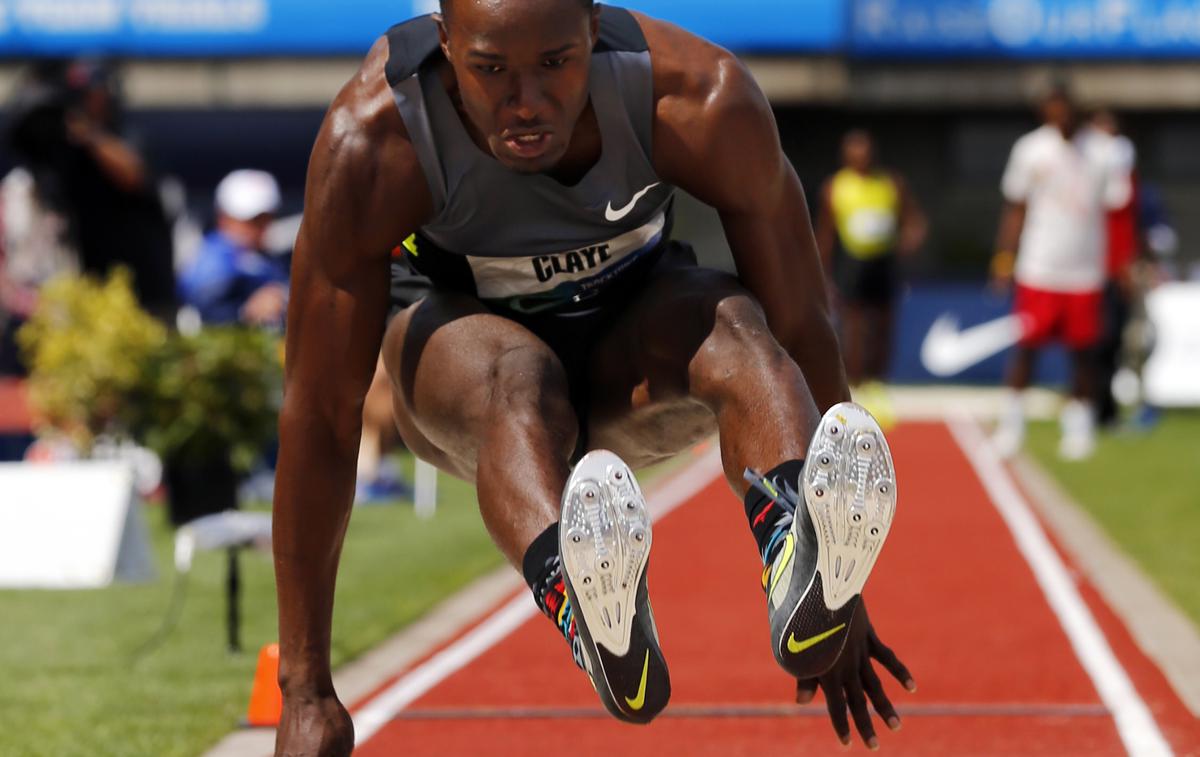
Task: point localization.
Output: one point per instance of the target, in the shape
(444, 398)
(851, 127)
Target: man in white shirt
(1060, 181)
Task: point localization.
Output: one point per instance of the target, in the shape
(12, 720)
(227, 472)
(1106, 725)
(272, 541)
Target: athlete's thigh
(449, 360)
(641, 406)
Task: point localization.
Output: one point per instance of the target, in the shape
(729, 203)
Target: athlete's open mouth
(528, 145)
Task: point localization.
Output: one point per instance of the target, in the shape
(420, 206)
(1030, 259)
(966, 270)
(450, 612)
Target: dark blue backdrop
(971, 303)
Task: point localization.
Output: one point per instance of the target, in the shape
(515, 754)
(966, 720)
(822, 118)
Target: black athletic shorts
(570, 335)
(874, 281)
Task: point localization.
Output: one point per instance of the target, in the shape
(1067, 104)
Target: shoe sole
(849, 487)
(605, 539)
(850, 491)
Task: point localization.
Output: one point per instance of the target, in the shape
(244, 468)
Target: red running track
(950, 593)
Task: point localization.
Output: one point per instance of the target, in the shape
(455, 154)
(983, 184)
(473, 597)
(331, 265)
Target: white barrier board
(1172, 374)
(71, 525)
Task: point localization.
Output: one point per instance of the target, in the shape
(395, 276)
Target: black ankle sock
(764, 512)
(542, 567)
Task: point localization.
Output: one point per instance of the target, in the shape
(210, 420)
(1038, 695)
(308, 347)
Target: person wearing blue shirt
(233, 279)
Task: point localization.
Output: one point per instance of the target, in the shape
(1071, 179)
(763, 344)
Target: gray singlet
(525, 242)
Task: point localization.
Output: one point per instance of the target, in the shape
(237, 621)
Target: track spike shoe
(604, 540)
(815, 578)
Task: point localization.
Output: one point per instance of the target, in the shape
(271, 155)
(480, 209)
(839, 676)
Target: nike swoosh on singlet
(640, 700)
(613, 215)
(796, 647)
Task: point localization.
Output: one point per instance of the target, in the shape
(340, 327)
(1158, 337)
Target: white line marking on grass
(1136, 726)
(380, 710)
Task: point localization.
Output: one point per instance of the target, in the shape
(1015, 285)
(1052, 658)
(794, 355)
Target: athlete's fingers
(835, 701)
(887, 658)
(860, 713)
(805, 690)
(879, 699)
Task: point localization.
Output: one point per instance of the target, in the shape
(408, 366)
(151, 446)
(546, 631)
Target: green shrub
(101, 365)
(212, 393)
(87, 344)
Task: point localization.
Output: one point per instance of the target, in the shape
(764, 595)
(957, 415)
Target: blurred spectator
(867, 216)
(33, 248)
(66, 129)
(1124, 247)
(378, 477)
(1161, 239)
(233, 278)
(1059, 183)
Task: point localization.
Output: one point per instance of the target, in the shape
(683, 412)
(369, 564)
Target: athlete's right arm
(1016, 186)
(914, 226)
(365, 194)
(1008, 239)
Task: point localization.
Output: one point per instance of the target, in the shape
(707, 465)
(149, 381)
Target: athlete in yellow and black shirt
(866, 219)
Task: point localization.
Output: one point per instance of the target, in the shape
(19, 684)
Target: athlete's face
(1059, 112)
(858, 153)
(522, 68)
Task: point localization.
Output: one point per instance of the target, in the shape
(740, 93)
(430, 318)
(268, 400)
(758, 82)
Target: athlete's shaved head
(446, 4)
(1058, 109)
(858, 150)
(521, 70)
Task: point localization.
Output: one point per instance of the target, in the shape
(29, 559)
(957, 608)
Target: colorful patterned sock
(771, 505)
(542, 568)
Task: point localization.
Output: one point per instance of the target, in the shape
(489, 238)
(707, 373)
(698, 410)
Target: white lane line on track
(376, 713)
(1135, 725)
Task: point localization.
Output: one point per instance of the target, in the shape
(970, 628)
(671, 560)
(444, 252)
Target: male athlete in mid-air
(513, 164)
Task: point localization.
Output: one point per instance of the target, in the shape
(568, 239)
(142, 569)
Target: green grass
(1144, 489)
(68, 684)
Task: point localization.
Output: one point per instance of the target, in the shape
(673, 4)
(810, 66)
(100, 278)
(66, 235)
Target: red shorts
(1071, 317)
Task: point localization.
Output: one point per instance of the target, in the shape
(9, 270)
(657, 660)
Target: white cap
(247, 194)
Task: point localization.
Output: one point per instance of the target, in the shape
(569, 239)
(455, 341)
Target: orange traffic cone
(266, 701)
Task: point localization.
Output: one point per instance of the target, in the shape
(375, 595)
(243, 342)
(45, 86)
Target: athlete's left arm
(914, 227)
(715, 137)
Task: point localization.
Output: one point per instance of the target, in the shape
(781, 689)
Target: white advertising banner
(1172, 374)
(72, 525)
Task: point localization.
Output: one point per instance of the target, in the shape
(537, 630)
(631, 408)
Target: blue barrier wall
(757, 25)
(898, 28)
(1026, 28)
(325, 27)
(196, 27)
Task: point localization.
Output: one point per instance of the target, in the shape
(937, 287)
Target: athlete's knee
(741, 356)
(527, 386)
(739, 317)
(740, 338)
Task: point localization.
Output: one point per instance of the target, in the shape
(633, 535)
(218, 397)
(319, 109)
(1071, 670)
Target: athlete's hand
(852, 681)
(1001, 272)
(267, 306)
(314, 727)
(81, 128)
